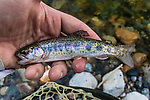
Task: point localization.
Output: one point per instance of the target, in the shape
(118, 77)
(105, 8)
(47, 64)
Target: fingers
(71, 24)
(79, 64)
(34, 72)
(58, 70)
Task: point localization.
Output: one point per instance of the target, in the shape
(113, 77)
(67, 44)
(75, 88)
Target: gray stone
(140, 78)
(135, 96)
(114, 83)
(84, 79)
(139, 84)
(145, 91)
(88, 67)
(133, 78)
(146, 70)
(123, 94)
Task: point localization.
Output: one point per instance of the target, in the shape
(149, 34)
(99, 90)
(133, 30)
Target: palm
(26, 21)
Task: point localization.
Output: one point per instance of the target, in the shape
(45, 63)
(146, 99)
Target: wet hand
(27, 21)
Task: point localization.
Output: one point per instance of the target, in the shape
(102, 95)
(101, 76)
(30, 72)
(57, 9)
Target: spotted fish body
(64, 48)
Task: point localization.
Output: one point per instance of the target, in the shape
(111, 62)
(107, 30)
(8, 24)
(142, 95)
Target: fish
(72, 46)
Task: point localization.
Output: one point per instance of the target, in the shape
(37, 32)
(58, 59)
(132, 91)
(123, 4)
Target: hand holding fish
(23, 22)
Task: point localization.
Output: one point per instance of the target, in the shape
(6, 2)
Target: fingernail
(36, 76)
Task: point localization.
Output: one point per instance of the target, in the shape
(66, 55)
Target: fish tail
(126, 58)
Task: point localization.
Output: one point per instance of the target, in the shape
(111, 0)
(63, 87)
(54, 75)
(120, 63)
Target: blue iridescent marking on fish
(36, 49)
(99, 48)
(55, 47)
(49, 48)
(44, 49)
(60, 47)
(76, 45)
(109, 49)
(88, 46)
(31, 51)
(67, 46)
(82, 42)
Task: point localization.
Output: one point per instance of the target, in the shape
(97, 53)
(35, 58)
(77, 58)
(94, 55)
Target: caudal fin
(127, 59)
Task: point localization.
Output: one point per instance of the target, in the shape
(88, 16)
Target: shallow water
(105, 17)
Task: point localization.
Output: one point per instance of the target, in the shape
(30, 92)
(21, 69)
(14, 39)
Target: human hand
(25, 21)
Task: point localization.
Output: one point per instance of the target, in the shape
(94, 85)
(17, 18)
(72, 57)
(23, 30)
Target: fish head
(29, 55)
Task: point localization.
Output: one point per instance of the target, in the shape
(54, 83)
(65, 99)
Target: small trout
(71, 46)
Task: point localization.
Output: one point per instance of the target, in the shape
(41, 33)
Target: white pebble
(3, 90)
(135, 96)
(84, 79)
(88, 67)
(114, 84)
(133, 78)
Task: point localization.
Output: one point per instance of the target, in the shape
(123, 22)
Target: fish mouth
(21, 56)
(23, 60)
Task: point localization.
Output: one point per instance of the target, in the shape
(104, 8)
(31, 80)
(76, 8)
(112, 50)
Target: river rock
(109, 38)
(84, 79)
(135, 96)
(146, 70)
(3, 90)
(45, 77)
(114, 83)
(88, 67)
(138, 59)
(145, 91)
(97, 22)
(25, 87)
(21, 72)
(126, 36)
(126, 68)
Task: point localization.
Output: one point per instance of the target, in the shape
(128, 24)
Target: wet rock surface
(126, 36)
(84, 79)
(138, 59)
(146, 70)
(135, 96)
(122, 22)
(114, 83)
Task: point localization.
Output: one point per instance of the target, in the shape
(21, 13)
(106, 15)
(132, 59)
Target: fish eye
(25, 52)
